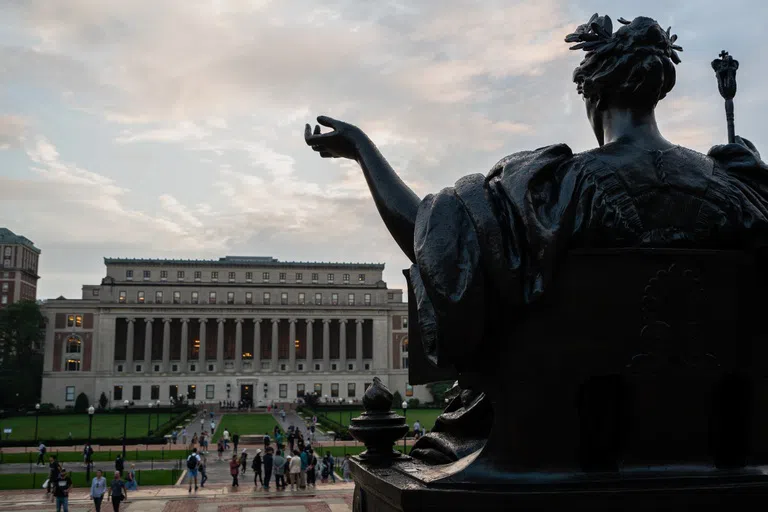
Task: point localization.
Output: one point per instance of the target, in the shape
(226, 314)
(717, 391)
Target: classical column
(359, 345)
(129, 346)
(274, 343)
(326, 344)
(166, 344)
(292, 344)
(220, 345)
(184, 343)
(238, 344)
(310, 348)
(201, 353)
(256, 345)
(148, 344)
(343, 343)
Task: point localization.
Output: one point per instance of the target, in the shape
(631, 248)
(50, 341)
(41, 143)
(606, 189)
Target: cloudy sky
(173, 128)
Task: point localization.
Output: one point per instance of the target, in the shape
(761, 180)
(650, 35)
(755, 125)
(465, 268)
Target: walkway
(292, 418)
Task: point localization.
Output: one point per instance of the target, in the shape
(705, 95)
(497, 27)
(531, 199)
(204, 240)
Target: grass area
(245, 424)
(426, 417)
(35, 480)
(60, 426)
(106, 454)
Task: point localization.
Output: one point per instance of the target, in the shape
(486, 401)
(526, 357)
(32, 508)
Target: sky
(173, 128)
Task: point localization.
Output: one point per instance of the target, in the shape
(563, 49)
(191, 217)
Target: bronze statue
(487, 251)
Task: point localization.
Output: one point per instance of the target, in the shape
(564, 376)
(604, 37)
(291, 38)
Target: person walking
(202, 423)
(311, 468)
(225, 437)
(53, 474)
(345, 468)
(117, 492)
(295, 469)
(98, 489)
(244, 460)
(220, 449)
(203, 468)
(184, 436)
(193, 443)
(41, 449)
(234, 470)
(331, 464)
(304, 458)
(61, 491)
(119, 465)
(193, 462)
(88, 456)
(235, 442)
(130, 479)
(279, 463)
(268, 467)
(256, 467)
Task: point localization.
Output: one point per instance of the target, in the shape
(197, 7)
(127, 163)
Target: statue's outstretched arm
(396, 202)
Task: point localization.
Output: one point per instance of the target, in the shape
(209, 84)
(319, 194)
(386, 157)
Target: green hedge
(102, 455)
(35, 480)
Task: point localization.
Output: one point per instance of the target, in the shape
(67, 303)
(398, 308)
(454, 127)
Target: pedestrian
(220, 448)
(130, 479)
(244, 460)
(279, 463)
(295, 469)
(98, 489)
(331, 464)
(282, 415)
(291, 438)
(193, 462)
(41, 449)
(311, 468)
(193, 443)
(325, 469)
(117, 492)
(88, 453)
(202, 423)
(61, 491)
(345, 468)
(119, 464)
(183, 436)
(256, 467)
(234, 470)
(203, 468)
(235, 442)
(304, 458)
(175, 436)
(53, 475)
(267, 440)
(268, 466)
(225, 437)
(213, 427)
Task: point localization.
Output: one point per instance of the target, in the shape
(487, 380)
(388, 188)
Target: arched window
(405, 345)
(74, 345)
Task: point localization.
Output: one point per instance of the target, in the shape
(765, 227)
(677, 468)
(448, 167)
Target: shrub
(103, 401)
(397, 400)
(81, 403)
(413, 403)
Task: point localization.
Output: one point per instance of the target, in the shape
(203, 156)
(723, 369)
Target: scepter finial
(725, 70)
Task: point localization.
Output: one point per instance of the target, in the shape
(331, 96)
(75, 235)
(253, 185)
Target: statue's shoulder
(547, 156)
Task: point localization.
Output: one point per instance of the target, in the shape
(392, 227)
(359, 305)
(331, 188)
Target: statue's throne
(637, 382)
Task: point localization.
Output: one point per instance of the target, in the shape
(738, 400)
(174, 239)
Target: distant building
(18, 268)
(237, 328)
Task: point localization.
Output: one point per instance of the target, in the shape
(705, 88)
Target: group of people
(59, 484)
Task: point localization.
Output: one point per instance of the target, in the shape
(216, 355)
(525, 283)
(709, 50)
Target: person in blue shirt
(98, 489)
(304, 465)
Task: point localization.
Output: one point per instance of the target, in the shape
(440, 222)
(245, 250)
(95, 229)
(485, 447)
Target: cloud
(12, 130)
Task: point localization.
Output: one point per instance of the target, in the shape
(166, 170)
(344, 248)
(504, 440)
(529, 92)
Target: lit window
(361, 278)
(140, 297)
(405, 346)
(266, 298)
(212, 298)
(214, 276)
(351, 390)
(249, 297)
(405, 322)
(335, 299)
(177, 297)
(195, 297)
(74, 345)
(283, 390)
(318, 299)
(147, 275)
(345, 278)
(129, 275)
(315, 277)
(249, 277)
(73, 365)
(158, 297)
(318, 389)
(163, 275)
(180, 275)
(192, 392)
(334, 389)
(70, 320)
(331, 278)
(351, 299)
(265, 277)
(69, 394)
(301, 298)
(231, 277)
(299, 277)
(284, 298)
(230, 297)
(367, 299)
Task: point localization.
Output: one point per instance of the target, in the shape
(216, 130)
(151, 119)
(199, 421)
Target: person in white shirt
(225, 437)
(417, 429)
(41, 454)
(98, 489)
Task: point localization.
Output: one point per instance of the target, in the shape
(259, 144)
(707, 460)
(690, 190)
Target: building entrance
(246, 395)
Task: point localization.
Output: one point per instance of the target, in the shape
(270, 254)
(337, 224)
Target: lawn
(104, 454)
(245, 424)
(60, 426)
(426, 417)
(35, 480)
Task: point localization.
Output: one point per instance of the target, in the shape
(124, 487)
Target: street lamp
(157, 426)
(149, 419)
(126, 403)
(405, 414)
(37, 418)
(91, 410)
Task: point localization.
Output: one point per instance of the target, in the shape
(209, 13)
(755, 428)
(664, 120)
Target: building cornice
(242, 262)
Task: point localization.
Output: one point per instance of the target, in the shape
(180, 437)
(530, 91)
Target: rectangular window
(282, 277)
(73, 365)
(173, 391)
(78, 320)
(361, 278)
(129, 275)
(405, 322)
(335, 299)
(266, 298)
(283, 390)
(209, 390)
(404, 365)
(345, 278)
(198, 275)
(180, 275)
(331, 277)
(299, 390)
(334, 390)
(249, 297)
(69, 394)
(319, 389)
(158, 297)
(122, 296)
(117, 393)
(367, 299)
(214, 276)
(212, 298)
(231, 277)
(195, 297)
(230, 297)
(390, 296)
(351, 390)
(318, 299)
(192, 392)
(154, 392)
(163, 275)
(137, 392)
(249, 277)
(177, 297)
(70, 320)
(299, 277)
(140, 297)
(96, 292)
(5, 287)
(366, 386)
(351, 299)
(301, 298)
(147, 275)
(284, 298)
(315, 277)
(265, 277)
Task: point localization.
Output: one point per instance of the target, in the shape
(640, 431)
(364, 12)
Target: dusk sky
(173, 128)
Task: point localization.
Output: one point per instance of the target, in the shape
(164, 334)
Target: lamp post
(157, 413)
(126, 403)
(149, 419)
(91, 410)
(37, 418)
(405, 414)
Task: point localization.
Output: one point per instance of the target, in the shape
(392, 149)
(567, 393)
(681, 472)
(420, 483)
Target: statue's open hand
(339, 143)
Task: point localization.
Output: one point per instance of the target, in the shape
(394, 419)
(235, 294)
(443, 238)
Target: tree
(22, 328)
(81, 403)
(103, 401)
(438, 391)
(311, 400)
(397, 400)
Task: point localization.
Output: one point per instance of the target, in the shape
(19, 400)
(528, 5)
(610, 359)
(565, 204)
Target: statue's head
(633, 68)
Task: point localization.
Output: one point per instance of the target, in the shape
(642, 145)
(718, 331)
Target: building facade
(238, 328)
(18, 268)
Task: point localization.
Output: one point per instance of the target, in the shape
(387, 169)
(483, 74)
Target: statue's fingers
(307, 132)
(318, 148)
(317, 129)
(327, 121)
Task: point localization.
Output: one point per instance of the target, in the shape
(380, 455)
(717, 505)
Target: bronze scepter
(725, 69)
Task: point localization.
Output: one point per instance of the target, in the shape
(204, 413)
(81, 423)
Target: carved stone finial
(378, 427)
